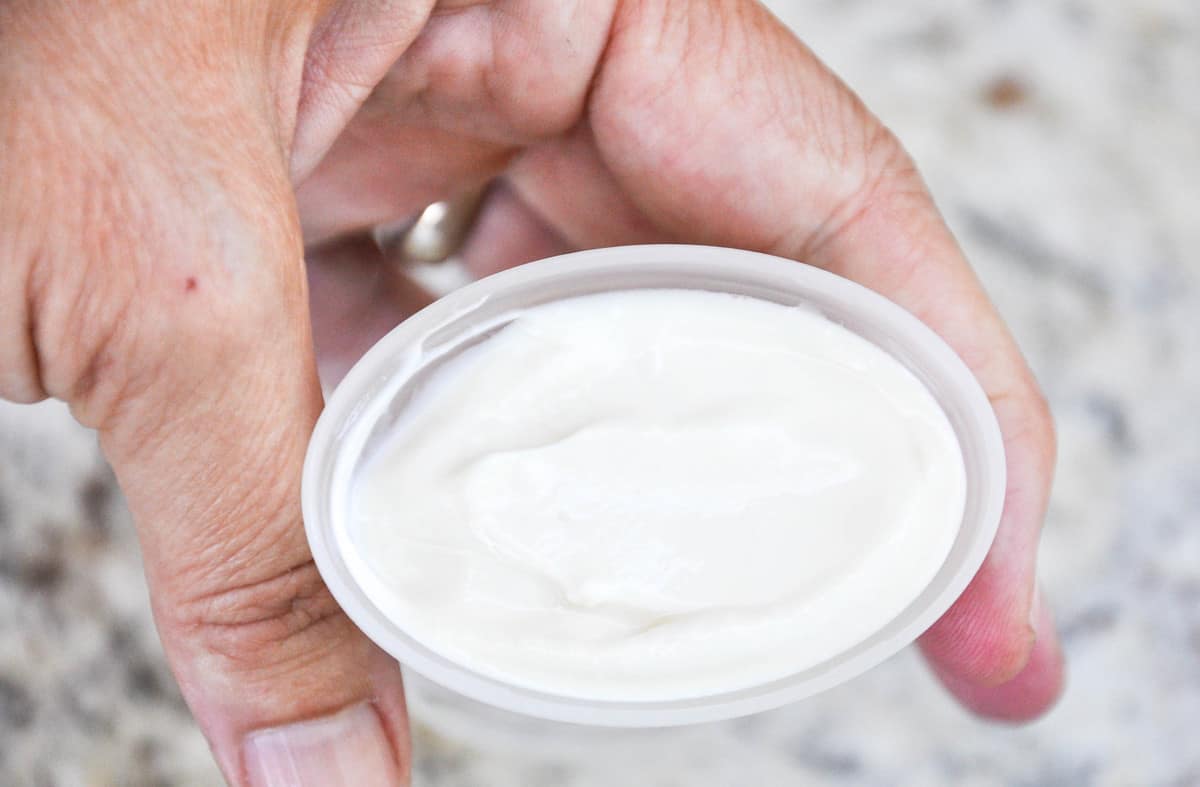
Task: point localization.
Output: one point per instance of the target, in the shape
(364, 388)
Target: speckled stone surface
(1062, 138)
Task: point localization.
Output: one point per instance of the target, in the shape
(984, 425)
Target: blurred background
(1062, 140)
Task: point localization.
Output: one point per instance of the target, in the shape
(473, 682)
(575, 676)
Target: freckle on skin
(191, 284)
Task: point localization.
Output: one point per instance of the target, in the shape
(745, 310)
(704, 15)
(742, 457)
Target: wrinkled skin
(162, 173)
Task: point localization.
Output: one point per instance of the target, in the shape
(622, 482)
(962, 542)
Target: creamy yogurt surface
(658, 494)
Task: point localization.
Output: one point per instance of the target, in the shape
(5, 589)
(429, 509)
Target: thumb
(208, 437)
(154, 280)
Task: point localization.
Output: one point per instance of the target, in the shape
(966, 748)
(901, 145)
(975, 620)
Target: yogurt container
(389, 384)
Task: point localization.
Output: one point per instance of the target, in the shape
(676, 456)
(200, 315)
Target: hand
(163, 171)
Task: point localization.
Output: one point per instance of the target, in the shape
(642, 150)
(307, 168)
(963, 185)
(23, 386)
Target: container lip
(325, 452)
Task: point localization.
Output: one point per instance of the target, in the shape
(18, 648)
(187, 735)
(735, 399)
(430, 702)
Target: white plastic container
(375, 392)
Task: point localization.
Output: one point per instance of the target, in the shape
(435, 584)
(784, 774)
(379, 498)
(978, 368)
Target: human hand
(152, 275)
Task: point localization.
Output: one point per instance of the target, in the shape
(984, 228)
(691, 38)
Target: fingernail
(349, 748)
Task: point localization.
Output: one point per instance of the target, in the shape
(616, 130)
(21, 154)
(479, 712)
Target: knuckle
(1039, 419)
(1027, 419)
(265, 624)
(876, 178)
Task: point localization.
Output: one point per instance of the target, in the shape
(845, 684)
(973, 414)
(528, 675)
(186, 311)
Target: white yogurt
(659, 494)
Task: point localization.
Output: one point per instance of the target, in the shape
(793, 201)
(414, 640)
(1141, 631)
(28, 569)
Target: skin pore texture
(178, 176)
(659, 494)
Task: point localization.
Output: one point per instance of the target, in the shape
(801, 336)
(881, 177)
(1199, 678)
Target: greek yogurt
(649, 495)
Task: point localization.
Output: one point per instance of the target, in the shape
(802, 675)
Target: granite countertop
(1062, 139)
